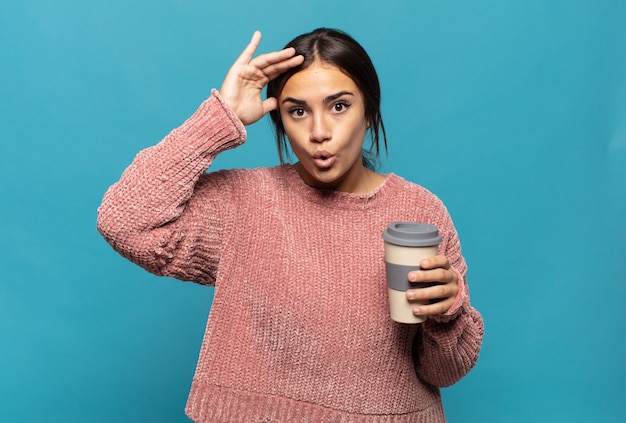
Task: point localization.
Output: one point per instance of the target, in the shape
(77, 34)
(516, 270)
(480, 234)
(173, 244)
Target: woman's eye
(298, 112)
(340, 107)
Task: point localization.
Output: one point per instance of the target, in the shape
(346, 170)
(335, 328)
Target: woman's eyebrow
(293, 100)
(328, 99)
(335, 96)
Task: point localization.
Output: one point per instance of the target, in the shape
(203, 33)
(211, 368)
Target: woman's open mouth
(323, 159)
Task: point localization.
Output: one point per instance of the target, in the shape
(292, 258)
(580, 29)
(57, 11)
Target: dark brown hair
(336, 48)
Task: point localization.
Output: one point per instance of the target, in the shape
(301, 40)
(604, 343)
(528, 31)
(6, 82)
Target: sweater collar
(339, 199)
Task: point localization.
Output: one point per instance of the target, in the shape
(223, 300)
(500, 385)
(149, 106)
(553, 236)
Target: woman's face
(323, 114)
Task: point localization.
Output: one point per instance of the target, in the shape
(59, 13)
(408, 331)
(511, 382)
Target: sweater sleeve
(150, 215)
(448, 345)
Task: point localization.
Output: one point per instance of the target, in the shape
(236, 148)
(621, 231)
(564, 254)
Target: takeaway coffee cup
(406, 244)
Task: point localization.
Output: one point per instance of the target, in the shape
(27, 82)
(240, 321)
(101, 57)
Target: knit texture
(299, 329)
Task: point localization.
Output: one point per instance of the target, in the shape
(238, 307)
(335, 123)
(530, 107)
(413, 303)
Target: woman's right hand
(246, 78)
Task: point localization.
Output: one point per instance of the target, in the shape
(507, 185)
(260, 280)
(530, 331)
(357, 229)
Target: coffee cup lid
(412, 234)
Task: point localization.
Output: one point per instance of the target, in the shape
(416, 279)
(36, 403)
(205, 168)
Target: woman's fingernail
(410, 295)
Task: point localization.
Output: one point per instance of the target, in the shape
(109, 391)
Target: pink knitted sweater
(299, 329)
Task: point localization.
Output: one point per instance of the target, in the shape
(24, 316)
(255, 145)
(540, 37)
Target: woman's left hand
(434, 269)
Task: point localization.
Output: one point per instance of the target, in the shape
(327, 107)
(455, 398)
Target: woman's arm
(146, 216)
(447, 346)
(153, 216)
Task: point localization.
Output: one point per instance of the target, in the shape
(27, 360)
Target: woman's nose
(320, 130)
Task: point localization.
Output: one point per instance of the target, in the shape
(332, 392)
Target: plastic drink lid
(412, 234)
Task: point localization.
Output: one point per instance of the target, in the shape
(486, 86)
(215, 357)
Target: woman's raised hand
(246, 78)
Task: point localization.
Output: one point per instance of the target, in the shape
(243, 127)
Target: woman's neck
(363, 181)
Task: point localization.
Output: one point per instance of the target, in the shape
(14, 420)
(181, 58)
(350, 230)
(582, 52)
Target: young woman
(299, 329)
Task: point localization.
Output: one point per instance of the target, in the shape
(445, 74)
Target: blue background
(513, 112)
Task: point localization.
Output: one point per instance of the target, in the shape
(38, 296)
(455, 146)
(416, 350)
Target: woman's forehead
(319, 78)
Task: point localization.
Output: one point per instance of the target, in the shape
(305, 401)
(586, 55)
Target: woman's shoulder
(412, 189)
(254, 179)
(418, 202)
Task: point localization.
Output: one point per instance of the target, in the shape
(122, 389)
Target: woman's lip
(322, 154)
(323, 160)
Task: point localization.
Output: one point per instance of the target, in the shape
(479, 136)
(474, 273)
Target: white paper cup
(406, 244)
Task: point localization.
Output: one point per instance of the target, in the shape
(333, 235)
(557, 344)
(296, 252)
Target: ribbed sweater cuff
(213, 127)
